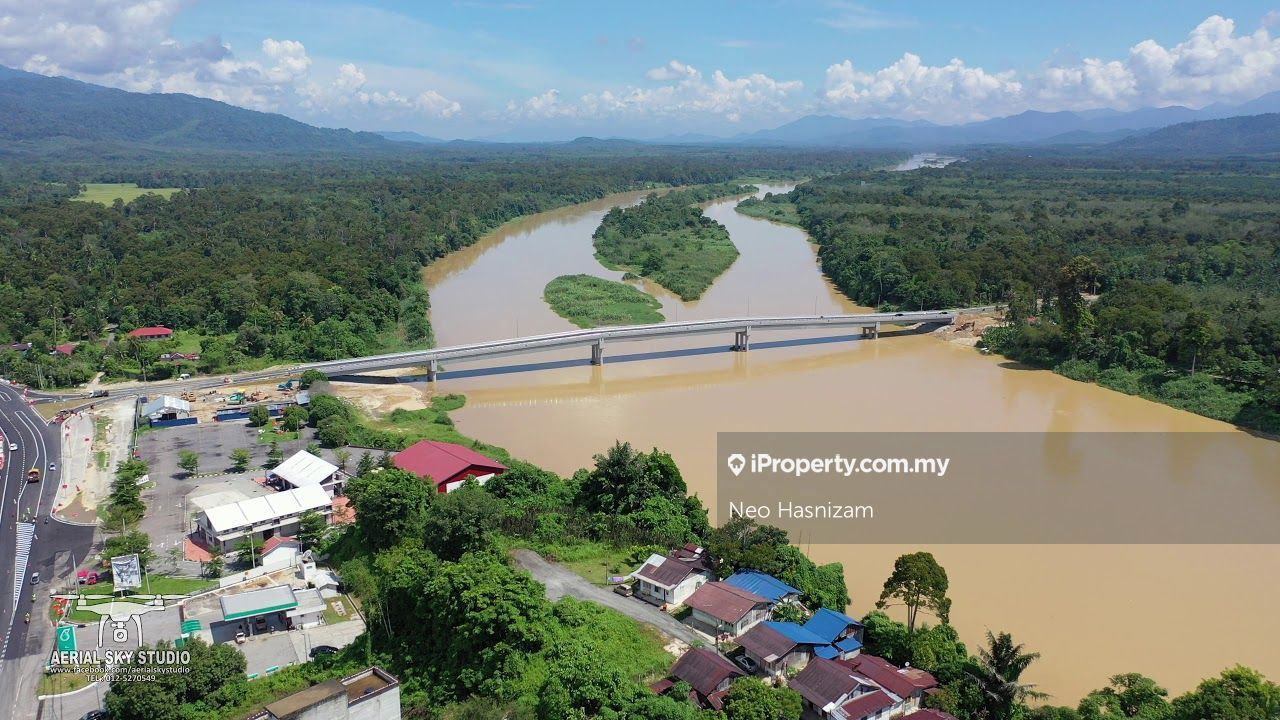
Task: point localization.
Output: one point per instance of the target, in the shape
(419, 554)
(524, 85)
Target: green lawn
(332, 617)
(62, 682)
(158, 584)
(107, 193)
(271, 435)
(595, 560)
(588, 301)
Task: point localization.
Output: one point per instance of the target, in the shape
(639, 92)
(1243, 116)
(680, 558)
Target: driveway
(563, 582)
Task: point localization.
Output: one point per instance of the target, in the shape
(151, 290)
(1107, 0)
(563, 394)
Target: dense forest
(667, 239)
(1161, 280)
(302, 258)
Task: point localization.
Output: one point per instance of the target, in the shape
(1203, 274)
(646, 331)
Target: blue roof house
(764, 585)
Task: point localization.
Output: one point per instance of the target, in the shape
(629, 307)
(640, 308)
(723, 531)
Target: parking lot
(169, 498)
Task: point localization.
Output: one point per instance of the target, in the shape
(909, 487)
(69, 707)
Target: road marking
(26, 533)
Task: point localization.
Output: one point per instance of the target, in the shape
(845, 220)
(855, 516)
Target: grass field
(158, 585)
(107, 193)
(63, 682)
(588, 301)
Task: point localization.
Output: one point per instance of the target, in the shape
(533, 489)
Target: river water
(1176, 613)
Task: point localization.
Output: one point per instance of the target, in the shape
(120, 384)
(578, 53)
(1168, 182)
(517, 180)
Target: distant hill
(49, 111)
(409, 136)
(1245, 135)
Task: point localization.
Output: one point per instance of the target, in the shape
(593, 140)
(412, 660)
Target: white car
(13, 446)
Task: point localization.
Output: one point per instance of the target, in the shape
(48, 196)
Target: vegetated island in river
(588, 301)
(667, 239)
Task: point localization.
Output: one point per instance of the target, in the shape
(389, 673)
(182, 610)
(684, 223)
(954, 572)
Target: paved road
(25, 511)
(561, 581)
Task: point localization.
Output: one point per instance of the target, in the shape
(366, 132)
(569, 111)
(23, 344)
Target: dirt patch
(380, 400)
(968, 329)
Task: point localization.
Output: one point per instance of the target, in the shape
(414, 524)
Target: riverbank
(679, 398)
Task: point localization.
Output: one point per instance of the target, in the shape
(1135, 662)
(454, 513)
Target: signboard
(126, 571)
(66, 638)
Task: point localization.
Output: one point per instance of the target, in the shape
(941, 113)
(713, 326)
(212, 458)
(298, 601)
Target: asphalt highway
(26, 512)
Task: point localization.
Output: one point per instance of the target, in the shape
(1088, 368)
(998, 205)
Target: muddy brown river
(1176, 613)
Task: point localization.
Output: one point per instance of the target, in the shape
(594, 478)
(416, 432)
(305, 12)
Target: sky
(543, 69)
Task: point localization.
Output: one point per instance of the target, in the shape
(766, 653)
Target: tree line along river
(1177, 613)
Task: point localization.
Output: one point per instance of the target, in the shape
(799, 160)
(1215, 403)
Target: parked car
(319, 650)
(624, 590)
(747, 663)
(96, 715)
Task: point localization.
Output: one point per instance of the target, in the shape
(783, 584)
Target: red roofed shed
(155, 332)
(447, 464)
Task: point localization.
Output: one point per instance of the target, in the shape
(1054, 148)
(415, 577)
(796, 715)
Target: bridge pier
(597, 353)
(432, 369)
(869, 331)
(742, 340)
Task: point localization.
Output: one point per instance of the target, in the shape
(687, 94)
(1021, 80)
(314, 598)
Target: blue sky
(540, 68)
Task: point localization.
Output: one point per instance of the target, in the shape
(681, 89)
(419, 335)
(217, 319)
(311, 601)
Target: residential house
(280, 551)
(670, 579)
(776, 647)
(721, 609)
(447, 465)
(841, 633)
(764, 585)
(371, 694)
(863, 688)
(155, 332)
(66, 349)
(928, 714)
(303, 469)
(706, 672)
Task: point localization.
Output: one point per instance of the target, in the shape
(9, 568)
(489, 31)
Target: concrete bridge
(597, 339)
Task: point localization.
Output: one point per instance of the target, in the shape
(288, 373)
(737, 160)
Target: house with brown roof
(862, 688)
(773, 648)
(670, 579)
(721, 609)
(706, 672)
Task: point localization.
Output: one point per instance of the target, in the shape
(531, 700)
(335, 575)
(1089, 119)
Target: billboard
(126, 571)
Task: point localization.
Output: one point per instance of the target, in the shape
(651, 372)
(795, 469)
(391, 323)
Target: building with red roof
(723, 609)
(154, 332)
(447, 465)
(862, 688)
(708, 674)
(65, 349)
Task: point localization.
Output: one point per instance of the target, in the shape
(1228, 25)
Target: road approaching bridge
(595, 338)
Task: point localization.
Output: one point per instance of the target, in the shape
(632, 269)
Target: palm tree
(1000, 667)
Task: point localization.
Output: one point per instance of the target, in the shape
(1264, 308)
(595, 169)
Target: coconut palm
(998, 672)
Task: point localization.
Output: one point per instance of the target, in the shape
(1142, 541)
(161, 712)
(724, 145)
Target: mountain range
(43, 113)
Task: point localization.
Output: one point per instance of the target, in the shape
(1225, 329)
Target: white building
(165, 407)
(264, 517)
(372, 694)
(310, 610)
(671, 579)
(303, 469)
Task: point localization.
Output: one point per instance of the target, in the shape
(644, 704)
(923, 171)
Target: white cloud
(1213, 64)
(128, 45)
(687, 93)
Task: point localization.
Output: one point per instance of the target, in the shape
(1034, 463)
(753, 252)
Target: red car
(84, 577)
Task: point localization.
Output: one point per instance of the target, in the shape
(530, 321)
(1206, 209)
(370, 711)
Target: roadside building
(310, 610)
(302, 469)
(262, 517)
(670, 579)
(154, 332)
(777, 647)
(165, 407)
(447, 465)
(706, 672)
(372, 694)
(281, 551)
(721, 609)
(65, 349)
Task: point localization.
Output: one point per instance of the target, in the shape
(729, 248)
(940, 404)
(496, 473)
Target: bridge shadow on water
(622, 358)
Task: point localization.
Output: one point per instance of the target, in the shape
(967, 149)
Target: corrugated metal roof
(798, 634)
(303, 468)
(828, 624)
(166, 402)
(257, 510)
(762, 584)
